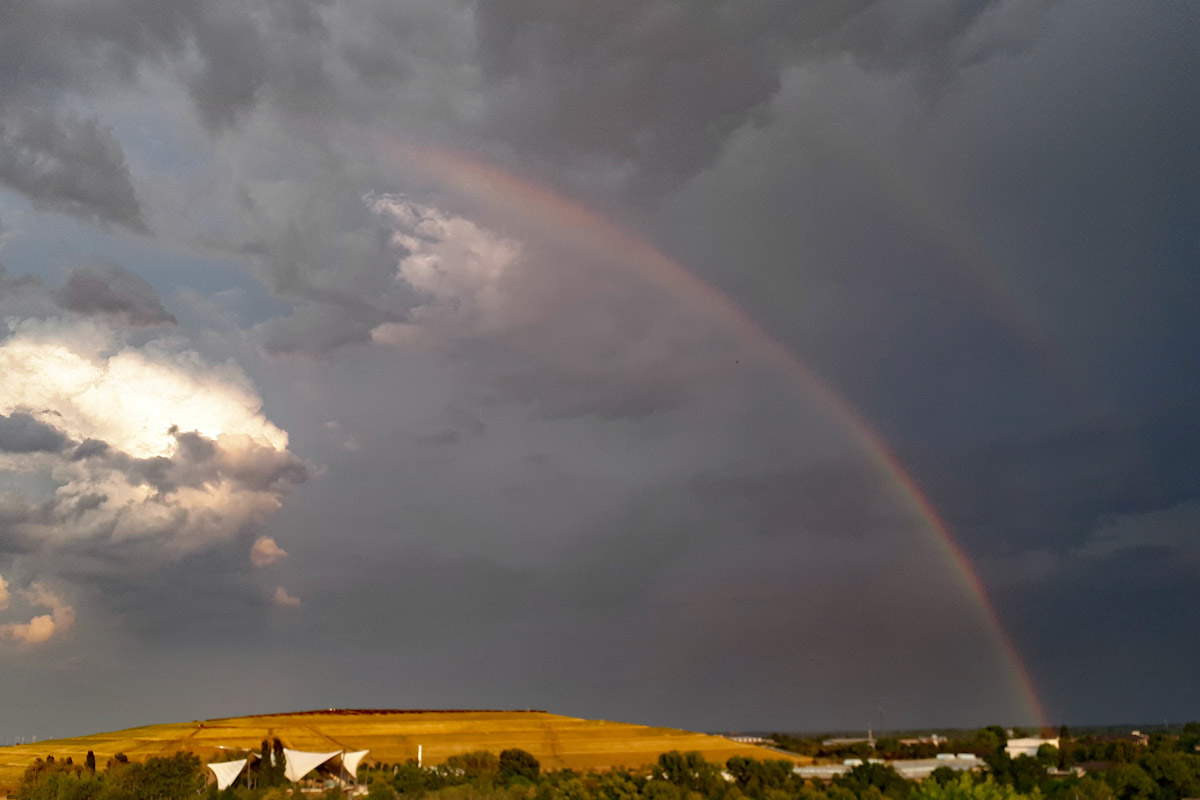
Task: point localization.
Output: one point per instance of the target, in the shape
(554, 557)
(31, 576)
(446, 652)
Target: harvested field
(393, 736)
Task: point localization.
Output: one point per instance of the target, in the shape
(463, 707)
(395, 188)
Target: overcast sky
(523, 353)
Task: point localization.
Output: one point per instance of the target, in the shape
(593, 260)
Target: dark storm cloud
(157, 601)
(837, 499)
(243, 54)
(1096, 521)
(654, 84)
(1051, 489)
(1118, 596)
(323, 251)
(320, 327)
(648, 617)
(66, 164)
(201, 462)
(659, 88)
(21, 433)
(601, 501)
(109, 288)
(89, 448)
(20, 283)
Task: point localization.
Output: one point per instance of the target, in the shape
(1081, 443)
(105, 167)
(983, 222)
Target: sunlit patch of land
(393, 737)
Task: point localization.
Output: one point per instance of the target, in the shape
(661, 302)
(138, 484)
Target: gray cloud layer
(109, 288)
(21, 433)
(66, 164)
(974, 221)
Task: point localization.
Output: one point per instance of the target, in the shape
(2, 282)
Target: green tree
(266, 777)
(882, 777)
(1176, 775)
(410, 780)
(662, 789)
(517, 763)
(965, 788)
(280, 761)
(157, 778)
(380, 789)
(616, 786)
(1027, 774)
(1189, 741)
(757, 778)
(1048, 755)
(991, 739)
(689, 771)
(1130, 782)
(475, 765)
(49, 780)
(1086, 788)
(1064, 747)
(90, 762)
(944, 775)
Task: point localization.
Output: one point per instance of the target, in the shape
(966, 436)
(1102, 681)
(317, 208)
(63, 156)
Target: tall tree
(1064, 746)
(517, 763)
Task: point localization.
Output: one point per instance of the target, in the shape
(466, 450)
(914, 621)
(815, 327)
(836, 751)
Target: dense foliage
(1117, 768)
(157, 778)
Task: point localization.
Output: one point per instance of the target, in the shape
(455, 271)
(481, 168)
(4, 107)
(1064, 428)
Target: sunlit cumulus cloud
(458, 267)
(578, 332)
(266, 552)
(140, 444)
(42, 627)
(282, 599)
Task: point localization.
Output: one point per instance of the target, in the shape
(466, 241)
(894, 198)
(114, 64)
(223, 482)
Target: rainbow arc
(549, 209)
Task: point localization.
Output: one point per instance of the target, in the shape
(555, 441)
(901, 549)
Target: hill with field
(392, 737)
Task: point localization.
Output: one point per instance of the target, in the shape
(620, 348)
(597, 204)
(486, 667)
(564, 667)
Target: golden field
(393, 736)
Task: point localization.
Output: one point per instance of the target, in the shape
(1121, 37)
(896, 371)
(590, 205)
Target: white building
(1027, 747)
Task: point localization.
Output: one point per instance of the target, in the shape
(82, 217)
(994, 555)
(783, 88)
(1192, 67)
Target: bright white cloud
(266, 552)
(459, 267)
(282, 599)
(162, 447)
(79, 379)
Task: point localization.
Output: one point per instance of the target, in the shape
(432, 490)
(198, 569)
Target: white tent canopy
(351, 760)
(227, 771)
(300, 763)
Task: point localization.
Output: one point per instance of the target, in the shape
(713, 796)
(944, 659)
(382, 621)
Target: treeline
(1165, 768)
(675, 776)
(1123, 749)
(981, 742)
(989, 740)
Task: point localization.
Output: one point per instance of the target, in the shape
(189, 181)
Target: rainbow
(587, 229)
